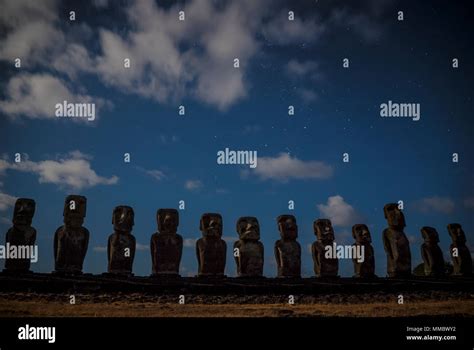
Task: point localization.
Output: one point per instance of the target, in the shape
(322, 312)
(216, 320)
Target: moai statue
(211, 249)
(21, 234)
(166, 244)
(431, 253)
(396, 243)
(363, 240)
(462, 260)
(287, 249)
(248, 250)
(324, 266)
(71, 240)
(121, 244)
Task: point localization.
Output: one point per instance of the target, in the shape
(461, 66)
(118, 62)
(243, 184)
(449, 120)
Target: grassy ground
(38, 305)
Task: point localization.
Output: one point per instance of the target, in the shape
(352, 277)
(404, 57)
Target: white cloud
(282, 31)
(339, 212)
(435, 204)
(284, 167)
(156, 174)
(308, 68)
(142, 247)
(99, 249)
(35, 96)
(307, 95)
(193, 185)
(189, 242)
(6, 201)
(469, 202)
(73, 171)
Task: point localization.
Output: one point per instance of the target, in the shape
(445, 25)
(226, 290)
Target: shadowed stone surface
(287, 249)
(323, 266)
(249, 258)
(460, 254)
(166, 244)
(396, 243)
(71, 240)
(431, 253)
(21, 234)
(365, 269)
(211, 249)
(121, 244)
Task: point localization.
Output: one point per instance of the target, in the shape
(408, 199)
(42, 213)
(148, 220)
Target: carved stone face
(211, 225)
(123, 218)
(394, 216)
(457, 233)
(361, 234)
(248, 228)
(323, 230)
(23, 212)
(288, 227)
(75, 210)
(429, 234)
(168, 220)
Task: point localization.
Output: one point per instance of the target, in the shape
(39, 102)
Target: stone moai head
(123, 218)
(248, 228)
(74, 210)
(168, 220)
(23, 212)
(430, 235)
(211, 225)
(323, 230)
(457, 233)
(361, 234)
(394, 216)
(287, 227)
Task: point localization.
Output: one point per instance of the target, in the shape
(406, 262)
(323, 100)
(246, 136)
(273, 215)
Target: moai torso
(431, 253)
(211, 249)
(21, 234)
(460, 254)
(365, 268)
(166, 244)
(121, 244)
(323, 266)
(249, 256)
(287, 249)
(396, 243)
(71, 240)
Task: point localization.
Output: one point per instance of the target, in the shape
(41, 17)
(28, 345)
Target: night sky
(282, 63)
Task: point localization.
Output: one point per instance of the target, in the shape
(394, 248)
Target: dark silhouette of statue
(121, 244)
(324, 265)
(396, 243)
(166, 244)
(365, 268)
(211, 249)
(431, 253)
(287, 249)
(21, 234)
(71, 240)
(462, 260)
(248, 250)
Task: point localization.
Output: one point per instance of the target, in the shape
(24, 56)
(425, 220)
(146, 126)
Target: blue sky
(282, 63)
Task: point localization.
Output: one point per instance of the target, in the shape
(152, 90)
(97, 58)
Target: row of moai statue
(71, 242)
